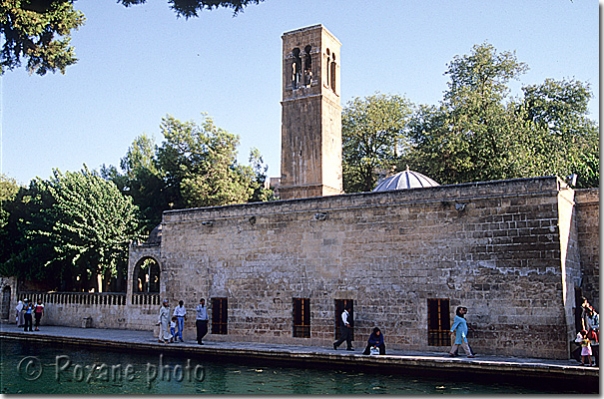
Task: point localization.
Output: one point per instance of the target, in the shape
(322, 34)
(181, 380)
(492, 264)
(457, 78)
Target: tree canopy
(194, 166)
(38, 31)
(74, 232)
(372, 138)
(479, 133)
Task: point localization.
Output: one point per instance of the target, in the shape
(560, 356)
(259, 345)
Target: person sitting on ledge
(376, 340)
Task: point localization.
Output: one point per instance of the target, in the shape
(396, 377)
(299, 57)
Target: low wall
(103, 310)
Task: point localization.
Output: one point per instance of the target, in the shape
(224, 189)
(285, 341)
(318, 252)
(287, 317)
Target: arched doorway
(5, 311)
(146, 276)
(146, 282)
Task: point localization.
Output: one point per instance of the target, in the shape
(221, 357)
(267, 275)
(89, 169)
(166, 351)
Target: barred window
(219, 315)
(301, 316)
(439, 322)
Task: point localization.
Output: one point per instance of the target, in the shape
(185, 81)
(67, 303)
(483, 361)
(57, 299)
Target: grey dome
(405, 180)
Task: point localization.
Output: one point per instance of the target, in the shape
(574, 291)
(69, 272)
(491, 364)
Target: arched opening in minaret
(328, 68)
(332, 72)
(296, 68)
(307, 66)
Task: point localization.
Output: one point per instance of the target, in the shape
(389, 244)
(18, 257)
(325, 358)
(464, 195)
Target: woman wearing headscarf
(376, 340)
(20, 318)
(163, 321)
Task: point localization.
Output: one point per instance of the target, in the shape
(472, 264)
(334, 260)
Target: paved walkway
(401, 360)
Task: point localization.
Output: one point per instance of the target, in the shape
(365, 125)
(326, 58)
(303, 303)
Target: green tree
(141, 180)
(80, 231)
(567, 141)
(40, 32)
(25, 255)
(474, 130)
(479, 133)
(373, 135)
(10, 194)
(199, 164)
(260, 192)
(8, 191)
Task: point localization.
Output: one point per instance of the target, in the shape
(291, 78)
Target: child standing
(173, 328)
(585, 349)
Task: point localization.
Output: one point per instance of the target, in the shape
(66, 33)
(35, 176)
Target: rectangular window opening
(439, 322)
(301, 316)
(219, 315)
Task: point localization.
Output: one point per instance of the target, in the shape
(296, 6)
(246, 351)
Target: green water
(34, 368)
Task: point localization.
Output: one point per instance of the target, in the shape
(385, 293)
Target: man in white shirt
(201, 320)
(180, 312)
(346, 330)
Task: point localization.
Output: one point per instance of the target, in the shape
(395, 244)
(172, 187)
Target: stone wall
(495, 247)
(588, 217)
(8, 295)
(102, 310)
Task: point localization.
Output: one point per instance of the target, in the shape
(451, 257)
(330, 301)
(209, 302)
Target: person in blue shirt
(460, 329)
(28, 308)
(376, 340)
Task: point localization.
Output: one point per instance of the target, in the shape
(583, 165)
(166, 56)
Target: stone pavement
(312, 356)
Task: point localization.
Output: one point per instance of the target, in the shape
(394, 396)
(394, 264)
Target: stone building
(515, 252)
(518, 253)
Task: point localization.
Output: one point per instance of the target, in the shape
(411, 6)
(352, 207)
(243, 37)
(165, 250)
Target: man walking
(201, 320)
(346, 329)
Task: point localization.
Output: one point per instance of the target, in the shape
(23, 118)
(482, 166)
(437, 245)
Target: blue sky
(139, 64)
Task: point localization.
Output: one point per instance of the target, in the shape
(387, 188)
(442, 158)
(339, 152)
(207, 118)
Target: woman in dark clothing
(376, 340)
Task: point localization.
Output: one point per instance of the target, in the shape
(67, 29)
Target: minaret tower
(311, 115)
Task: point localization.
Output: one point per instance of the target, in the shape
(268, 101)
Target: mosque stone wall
(588, 219)
(495, 247)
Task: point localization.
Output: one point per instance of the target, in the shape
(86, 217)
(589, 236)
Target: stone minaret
(311, 115)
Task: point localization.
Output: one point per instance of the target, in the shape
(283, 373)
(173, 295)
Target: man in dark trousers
(201, 321)
(346, 330)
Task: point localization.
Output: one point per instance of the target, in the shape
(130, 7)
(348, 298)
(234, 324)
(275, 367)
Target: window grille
(219, 315)
(301, 316)
(439, 322)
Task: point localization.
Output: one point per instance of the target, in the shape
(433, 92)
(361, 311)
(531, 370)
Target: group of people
(375, 342)
(171, 328)
(27, 312)
(589, 336)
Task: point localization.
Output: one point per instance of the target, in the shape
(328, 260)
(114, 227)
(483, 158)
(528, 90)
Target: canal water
(37, 368)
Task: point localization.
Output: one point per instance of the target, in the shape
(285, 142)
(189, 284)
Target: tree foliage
(199, 163)
(261, 192)
(372, 137)
(479, 133)
(195, 165)
(38, 31)
(77, 232)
